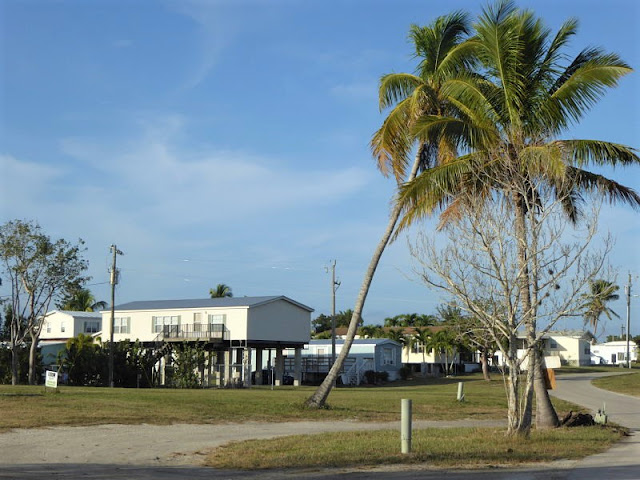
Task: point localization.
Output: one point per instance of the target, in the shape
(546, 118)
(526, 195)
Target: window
(217, 318)
(553, 344)
(122, 325)
(387, 356)
(622, 357)
(417, 348)
(197, 322)
(63, 327)
(91, 326)
(587, 350)
(166, 323)
(48, 327)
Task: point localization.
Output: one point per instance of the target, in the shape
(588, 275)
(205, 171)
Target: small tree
(39, 270)
(479, 268)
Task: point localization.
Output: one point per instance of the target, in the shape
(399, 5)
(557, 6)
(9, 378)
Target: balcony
(193, 332)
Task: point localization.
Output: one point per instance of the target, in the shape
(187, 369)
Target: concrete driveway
(31, 460)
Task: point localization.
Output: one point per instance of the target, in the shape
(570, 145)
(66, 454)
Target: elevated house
(238, 333)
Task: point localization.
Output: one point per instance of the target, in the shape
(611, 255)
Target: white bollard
(405, 426)
(460, 391)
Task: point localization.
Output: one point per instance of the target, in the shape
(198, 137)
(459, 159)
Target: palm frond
(597, 184)
(596, 152)
(395, 87)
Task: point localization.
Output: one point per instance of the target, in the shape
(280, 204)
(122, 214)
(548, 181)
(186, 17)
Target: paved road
(622, 462)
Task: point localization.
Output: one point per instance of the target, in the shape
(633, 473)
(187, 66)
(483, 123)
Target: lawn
(628, 384)
(433, 399)
(455, 447)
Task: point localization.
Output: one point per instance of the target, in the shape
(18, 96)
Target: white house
(564, 348)
(375, 354)
(61, 325)
(236, 331)
(613, 353)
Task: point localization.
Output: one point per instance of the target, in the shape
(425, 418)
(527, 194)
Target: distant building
(613, 353)
(375, 354)
(61, 325)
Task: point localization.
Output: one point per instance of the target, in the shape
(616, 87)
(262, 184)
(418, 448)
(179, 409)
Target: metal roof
(74, 314)
(357, 341)
(224, 302)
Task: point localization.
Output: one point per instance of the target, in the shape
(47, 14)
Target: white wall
(141, 323)
(279, 321)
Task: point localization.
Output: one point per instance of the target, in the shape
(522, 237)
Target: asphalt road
(622, 462)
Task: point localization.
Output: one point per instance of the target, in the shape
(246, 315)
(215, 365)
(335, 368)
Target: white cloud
(167, 181)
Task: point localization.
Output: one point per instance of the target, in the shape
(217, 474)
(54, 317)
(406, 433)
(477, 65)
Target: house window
(122, 325)
(63, 326)
(417, 348)
(48, 327)
(217, 318)
(622, 357)
(587, 350)
(387, 356)
(217, 324)
(91, 327)
(553, 344)
(197, 322)
(166, 323)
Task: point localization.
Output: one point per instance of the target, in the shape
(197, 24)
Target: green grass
(455, 447)
(433, 399)
(629, 384)
(587, 370)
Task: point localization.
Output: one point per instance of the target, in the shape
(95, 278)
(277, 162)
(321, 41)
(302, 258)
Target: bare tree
(39, 271)
(481, 268)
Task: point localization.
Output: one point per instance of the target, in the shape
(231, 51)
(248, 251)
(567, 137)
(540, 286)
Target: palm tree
(512, 108)
(443, 342)
(221, 291)
(422, 336)
(595, 301)
(82, 300)
(409, 97)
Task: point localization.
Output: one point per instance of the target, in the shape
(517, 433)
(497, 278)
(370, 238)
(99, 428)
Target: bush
(405, 372)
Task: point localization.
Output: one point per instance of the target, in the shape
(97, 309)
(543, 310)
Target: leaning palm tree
(409, 97)
(82, 300)
(601, 292)
(221, 291)
(514, 106)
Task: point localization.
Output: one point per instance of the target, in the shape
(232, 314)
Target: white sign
(51, 379)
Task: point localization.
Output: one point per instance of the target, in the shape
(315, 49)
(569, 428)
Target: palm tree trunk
(546, 416)
(525, 302)
(319, 398)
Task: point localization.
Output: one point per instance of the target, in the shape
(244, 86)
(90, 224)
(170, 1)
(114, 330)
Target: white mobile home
(376, 354)
(613, 353)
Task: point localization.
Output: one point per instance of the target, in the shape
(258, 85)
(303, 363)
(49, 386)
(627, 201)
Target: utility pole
(628, 289)
(113, 280)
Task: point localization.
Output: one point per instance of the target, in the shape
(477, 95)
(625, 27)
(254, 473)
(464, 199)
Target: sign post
(51, 380)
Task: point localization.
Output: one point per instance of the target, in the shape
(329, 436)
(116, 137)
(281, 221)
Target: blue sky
(227, 141)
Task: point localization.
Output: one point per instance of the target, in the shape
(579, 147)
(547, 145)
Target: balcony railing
(194, 331)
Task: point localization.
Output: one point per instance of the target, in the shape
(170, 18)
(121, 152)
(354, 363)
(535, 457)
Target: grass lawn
(433, 399)
(455, 447)
(629, 383)
(587, 370)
